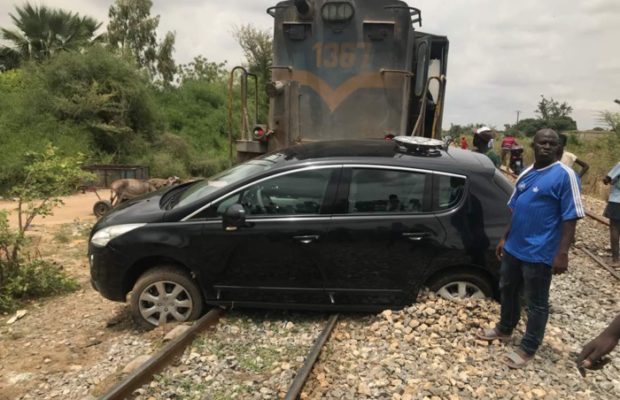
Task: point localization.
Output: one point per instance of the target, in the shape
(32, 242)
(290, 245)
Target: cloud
(503, 54)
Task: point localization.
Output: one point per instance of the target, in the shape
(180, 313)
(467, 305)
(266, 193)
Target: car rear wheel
(163, 295)
(461, 286)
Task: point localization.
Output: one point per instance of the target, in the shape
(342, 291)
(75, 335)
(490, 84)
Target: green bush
(34, 279)
(46, 176)
(208, 167)
(164, 164)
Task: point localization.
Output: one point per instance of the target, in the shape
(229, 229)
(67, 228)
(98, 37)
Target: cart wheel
(101, 207)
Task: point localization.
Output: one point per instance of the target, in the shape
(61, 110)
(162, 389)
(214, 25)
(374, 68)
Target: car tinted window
(451, 189)
(292, 194)
(385, 191)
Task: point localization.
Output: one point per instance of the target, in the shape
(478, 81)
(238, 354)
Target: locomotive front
(350, 69)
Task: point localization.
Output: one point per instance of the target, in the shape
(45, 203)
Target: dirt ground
(79, 206)
(66, 334)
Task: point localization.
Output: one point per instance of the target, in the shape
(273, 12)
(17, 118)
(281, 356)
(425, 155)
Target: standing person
(569, 159)
(545, 206)
(482, 137)
(612, 211)
(507, 143)
(464, 144)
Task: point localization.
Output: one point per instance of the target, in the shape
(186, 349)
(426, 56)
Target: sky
(503, 54)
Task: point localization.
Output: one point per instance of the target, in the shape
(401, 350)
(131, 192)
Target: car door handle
(305, 239)
(416, 236)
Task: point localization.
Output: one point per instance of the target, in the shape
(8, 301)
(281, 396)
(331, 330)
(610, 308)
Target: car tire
(165, 294)
(462, 285)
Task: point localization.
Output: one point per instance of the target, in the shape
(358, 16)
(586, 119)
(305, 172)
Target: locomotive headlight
(337, 11)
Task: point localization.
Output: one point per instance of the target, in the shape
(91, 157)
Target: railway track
(163, 358)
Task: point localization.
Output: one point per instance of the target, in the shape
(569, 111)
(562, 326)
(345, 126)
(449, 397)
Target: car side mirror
(233, 218)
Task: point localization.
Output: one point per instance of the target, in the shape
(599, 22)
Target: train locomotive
(347, 69)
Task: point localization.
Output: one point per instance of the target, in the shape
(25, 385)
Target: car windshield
(223, 179)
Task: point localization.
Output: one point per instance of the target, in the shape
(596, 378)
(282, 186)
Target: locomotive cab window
(297, 31)
(421, 68)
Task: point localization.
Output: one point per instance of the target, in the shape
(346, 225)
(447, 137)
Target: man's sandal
(491, 334)
(517, 359)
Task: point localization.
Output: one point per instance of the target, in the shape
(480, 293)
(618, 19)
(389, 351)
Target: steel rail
(303, 373)
(588, 213)
(600, 262)
(162, 358)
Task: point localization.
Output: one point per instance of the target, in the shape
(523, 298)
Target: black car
(338, 225)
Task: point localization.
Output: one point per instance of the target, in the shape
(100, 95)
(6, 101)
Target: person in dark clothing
(482, 138)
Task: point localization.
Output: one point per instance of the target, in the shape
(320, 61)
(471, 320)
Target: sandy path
(78, 206)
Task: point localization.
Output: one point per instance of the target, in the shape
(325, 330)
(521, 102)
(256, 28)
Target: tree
(9, 59)
(549, 108)
(42, 32)
(105, 94)
(132, 30)
(47, 176)
(611, 119)
(553, 115)
(201, 69)
(257, 46)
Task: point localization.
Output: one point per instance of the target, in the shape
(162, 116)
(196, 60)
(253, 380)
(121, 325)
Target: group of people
(545, 206)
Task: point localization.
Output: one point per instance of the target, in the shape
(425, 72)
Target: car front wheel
(461, 286)
(163, 295)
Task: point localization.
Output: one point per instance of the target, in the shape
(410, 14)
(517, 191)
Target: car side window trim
(240, 189)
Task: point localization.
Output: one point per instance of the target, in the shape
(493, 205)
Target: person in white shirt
(569, 159)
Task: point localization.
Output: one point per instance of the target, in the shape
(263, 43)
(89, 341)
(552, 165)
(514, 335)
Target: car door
(383, 236)
(272, 258)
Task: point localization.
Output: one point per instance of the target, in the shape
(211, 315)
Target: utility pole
(518, 112)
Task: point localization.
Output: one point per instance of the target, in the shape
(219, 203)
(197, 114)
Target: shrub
(208, 167)
(34, 279)
(47, 176)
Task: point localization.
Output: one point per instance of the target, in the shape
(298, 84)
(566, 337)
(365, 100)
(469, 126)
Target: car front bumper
(108, 270)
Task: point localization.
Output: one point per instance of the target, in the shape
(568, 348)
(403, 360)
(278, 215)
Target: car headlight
(103, 236)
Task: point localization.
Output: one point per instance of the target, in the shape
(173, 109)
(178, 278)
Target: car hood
(143, 209)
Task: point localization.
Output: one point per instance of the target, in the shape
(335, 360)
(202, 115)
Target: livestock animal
(159, 183)
(126, 189)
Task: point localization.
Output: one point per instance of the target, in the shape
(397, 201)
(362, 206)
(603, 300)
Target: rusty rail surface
(600, 262)
(162, 358)
(302, 375)
(588, 213)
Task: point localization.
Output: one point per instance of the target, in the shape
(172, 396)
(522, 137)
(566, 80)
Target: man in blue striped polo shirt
(545, 205)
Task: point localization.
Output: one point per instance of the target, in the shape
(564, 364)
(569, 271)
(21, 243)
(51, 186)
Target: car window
(226, 178)
(385, 191)
(292, 194)
(451, 189)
